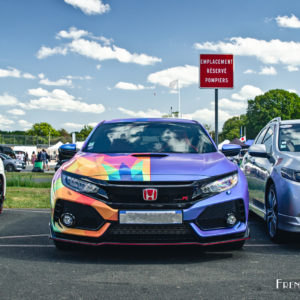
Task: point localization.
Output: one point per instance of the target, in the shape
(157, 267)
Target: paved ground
(31, 268)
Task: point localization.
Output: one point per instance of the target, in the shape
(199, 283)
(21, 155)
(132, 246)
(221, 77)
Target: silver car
(2, 185)
(272, 168)
(11, 164)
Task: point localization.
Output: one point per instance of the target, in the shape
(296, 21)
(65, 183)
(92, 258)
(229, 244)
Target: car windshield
(4, 156)
(149, 137)
(289, 138)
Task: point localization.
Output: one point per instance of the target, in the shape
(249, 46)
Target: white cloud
(98, 67)
(94, 50)
(41, 75)
(28, 76)
(5, 122)
(73, 126)
(269, 52)
(129, 86)
(39, 92)
(93, 124)
(78, 126)
(227, 104)
(207, 116)
(73, 33)
(90, 7)
(59, 82)
(268, 71)
(150, 113)
(292, 68)
(25, 124)
(187, 75)
(247, 92)
(10, 72)
(60, 100)
(293, 91)
(16, 112)
(288, 22)
(8, 100)
(46, 51)
(97, 51)
(249, 71)
(15, 73)
(86, 77)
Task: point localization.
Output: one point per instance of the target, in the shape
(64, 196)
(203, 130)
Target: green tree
(42, 129)
(84, 132)
(232, 127)
(272, 104)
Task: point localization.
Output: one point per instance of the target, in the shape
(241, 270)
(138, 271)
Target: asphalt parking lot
(31, 267)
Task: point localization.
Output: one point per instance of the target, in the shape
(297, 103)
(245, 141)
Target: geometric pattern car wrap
(111, 167)
(130, 169)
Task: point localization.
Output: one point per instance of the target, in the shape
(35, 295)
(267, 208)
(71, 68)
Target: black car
(8, 151)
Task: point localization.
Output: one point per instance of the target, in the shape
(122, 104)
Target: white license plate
(150, 217)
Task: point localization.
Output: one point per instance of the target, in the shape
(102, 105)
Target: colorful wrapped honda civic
(150, 182)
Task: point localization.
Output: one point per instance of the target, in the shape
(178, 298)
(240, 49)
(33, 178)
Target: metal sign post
(216, 118)
(216, 72)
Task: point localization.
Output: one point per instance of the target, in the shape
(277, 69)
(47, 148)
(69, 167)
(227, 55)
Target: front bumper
(101, 241)
(100, 226)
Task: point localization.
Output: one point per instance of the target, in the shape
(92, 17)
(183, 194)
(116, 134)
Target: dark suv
(8, 151)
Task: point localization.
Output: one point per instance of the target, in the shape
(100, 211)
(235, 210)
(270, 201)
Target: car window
(289, 137)
(141, 137)
(268, 140)
(260, 137)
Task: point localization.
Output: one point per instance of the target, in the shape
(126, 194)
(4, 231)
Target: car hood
(169, 167)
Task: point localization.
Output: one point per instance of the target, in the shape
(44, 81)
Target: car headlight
(290, 174)
(217, 186)
(82, 186)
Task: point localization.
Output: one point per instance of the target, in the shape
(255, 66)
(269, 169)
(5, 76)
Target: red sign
(216, 71)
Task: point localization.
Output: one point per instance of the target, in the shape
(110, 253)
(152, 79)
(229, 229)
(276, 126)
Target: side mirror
(67, 151)
(258, 150)
(231, 149)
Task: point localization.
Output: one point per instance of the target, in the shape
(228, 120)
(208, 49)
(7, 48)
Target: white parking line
(261, 245)
(26, 246)
(22, 236)
(44, 211)
(51, 246)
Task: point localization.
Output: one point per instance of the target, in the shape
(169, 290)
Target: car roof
(286, 122)
(151, 120)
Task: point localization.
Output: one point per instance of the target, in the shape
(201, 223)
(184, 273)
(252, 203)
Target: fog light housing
(231, 219)
(68, 219)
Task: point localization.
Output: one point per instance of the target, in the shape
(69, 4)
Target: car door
(263, 168)
(250, 169)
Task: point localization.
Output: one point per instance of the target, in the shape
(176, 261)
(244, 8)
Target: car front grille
(150, 233)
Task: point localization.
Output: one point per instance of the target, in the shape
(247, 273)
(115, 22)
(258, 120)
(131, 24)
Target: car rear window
(149, 137)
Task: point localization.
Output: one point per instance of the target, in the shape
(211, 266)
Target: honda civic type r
(149, 182)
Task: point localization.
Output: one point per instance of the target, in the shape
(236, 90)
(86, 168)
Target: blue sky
(77, 62)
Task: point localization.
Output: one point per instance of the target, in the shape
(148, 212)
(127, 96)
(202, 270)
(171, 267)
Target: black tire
(1, 206)
(62, 245)
(274, 232)
(9, 168)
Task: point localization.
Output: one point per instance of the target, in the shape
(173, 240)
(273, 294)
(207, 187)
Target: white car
(2, 185)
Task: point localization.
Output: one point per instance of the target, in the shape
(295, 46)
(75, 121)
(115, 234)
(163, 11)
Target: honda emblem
(150, 194)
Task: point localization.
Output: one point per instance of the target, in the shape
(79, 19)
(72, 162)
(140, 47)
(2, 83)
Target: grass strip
(22, 197)
(28, 180)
